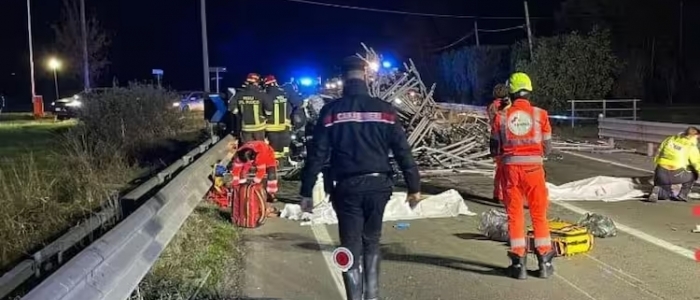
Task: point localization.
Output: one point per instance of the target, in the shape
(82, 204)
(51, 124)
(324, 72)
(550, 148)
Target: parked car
(190, 101)
(67, 108)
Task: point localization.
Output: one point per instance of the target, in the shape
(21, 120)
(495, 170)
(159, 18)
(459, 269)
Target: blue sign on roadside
(220, 106)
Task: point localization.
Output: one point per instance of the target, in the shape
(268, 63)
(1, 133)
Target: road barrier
(652, 133)
(99, 271)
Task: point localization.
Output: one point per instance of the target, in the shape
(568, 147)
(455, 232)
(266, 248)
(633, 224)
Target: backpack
(249, 209)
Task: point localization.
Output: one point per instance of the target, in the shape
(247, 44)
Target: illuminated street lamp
(55, 64)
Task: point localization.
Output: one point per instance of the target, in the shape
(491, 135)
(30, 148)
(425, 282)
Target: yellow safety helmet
(519, 82)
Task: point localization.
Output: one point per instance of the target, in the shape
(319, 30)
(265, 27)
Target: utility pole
(86, 63)
(31, 49)
(205, 46)
(476, 32)
(680, 31)
(529, 29)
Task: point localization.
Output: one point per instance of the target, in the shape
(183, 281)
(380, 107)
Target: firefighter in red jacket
(258, 155)
(499, 104)
(521, 137)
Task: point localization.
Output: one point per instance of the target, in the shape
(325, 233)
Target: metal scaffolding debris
(441, 138)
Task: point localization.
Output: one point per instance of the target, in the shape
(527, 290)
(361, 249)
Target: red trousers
(522, 183)
(498, 181)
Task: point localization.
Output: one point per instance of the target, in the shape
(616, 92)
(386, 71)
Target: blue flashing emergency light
(386, 64)
(306, 81)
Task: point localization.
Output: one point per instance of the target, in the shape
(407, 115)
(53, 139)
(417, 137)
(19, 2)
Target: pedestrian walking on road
(358, 132)
(521, 136)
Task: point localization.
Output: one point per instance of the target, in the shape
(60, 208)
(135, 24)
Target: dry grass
(53, 174)
(199, 263)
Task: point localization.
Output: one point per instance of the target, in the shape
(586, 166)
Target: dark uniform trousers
(359, 203)
(247, 136)
(280, 141)
(664, 179)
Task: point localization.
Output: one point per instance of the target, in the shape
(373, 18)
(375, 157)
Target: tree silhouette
(69, 41)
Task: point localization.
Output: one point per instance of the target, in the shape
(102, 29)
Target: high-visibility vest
(521, 131)
(279, 121)
(250, 109)
(677, 152)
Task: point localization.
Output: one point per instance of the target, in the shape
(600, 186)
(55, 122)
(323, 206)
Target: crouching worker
(257, 155)
(677, 162)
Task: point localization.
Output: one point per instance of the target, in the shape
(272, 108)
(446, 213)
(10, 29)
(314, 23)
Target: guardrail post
(634, 109)
(650, 149)
(604, 108)
(573, 112)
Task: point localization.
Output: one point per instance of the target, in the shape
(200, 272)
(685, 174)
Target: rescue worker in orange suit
(260, 156)
(500, 102)
(279, 124)
(521, 137)
(252, 107)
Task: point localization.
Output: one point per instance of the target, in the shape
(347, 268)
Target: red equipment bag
(249, 209)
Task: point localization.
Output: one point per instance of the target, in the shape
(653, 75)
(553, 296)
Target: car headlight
(74, 103)
(176, 104)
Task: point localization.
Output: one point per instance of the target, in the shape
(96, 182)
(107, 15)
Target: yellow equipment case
(567, 238)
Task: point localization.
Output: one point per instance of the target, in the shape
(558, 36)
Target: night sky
(265, 36)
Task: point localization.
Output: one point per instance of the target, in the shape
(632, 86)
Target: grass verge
(54, 174)
(201, 262)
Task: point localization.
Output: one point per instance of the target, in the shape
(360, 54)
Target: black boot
(683, 193)
(353, 284)
(371, 274)
(518, 266)
(545, 264)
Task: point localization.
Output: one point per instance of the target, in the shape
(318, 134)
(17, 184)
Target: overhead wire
(409, 13)
(471, 33)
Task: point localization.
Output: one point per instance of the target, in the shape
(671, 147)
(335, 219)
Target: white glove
(307, 204)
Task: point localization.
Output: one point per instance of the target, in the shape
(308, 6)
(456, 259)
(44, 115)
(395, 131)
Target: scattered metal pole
(529, 29)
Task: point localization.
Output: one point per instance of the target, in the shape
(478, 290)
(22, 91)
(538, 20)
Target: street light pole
(86, 63)
(31, 48)
(55, 83)
(205, 46)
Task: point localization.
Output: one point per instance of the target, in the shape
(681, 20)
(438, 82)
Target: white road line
(627, 229)
(605, 161)
(323, 238)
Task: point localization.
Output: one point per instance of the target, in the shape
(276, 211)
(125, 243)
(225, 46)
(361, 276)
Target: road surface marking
(576, 287)
(620, 275)
(627, 229)
(323, 238)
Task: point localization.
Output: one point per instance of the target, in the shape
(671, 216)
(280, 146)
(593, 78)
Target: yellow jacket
(677, 152)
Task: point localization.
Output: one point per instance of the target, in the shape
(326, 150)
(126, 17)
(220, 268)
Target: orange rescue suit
(521, 137)
(492, 112)
(265, 166)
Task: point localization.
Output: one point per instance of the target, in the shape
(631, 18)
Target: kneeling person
(677, 162)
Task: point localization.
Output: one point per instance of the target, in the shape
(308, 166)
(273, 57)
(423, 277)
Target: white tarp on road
(444, 205)
(599, 188)
(451, 204)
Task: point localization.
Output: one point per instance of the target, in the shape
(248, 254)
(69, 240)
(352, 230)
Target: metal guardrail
(113, 266)
(652, 133)
(603, 109)
(41, 260)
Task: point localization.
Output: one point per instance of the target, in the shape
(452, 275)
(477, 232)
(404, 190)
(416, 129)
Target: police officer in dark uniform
(252, 107)
(358, 132)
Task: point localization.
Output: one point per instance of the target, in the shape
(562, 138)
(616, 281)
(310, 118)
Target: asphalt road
(448, 259)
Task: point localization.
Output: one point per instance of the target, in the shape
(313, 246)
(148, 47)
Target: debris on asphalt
(494, 225)
(598, 225)
(402, 226)
(696, 230)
